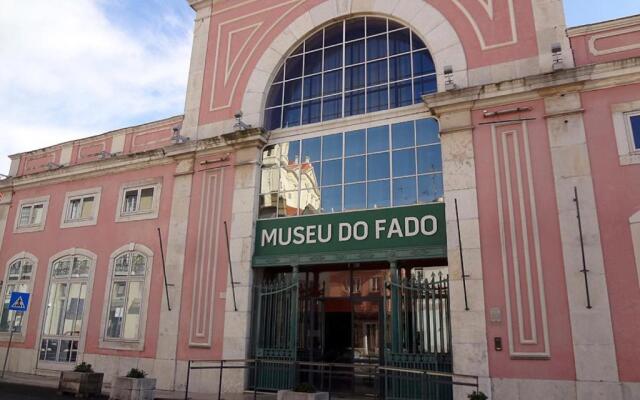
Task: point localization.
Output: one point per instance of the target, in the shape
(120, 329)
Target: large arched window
(17, 279)
(355, 66)
(64, 313)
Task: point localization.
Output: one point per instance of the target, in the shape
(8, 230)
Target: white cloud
(68, 71)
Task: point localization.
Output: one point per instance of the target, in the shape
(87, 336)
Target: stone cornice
(604, 26)
(200, 4)
(585, 78)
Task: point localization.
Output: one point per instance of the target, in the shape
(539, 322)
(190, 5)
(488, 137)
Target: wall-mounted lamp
(53, 166)
(240, 125)
(449, 84)
(177, 138)
(556, 54)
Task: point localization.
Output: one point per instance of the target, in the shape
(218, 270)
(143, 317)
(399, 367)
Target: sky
(75, 68)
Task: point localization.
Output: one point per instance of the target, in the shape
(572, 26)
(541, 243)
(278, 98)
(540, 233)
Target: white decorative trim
(123, 344)
(20, 338)
(156, 183)
(525, 237)
(96, 192)
(32, 228)
(593, 39)
(621, 114)
(634, 225)
(489, 8)
(86, 312)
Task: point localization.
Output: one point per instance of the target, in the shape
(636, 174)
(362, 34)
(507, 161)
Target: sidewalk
(17, 386)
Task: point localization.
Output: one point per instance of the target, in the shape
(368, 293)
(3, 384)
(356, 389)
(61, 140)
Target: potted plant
(304, 391)
(134, 386)
(477, 395)
(82, 381)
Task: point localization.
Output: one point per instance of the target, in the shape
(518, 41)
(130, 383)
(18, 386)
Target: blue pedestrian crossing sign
(19, 301)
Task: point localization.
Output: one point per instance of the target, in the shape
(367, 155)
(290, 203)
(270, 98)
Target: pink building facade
(490, 126)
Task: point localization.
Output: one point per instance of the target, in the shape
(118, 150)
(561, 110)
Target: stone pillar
(237, 324)
(593, 342)
(468, 327)
(164, 368)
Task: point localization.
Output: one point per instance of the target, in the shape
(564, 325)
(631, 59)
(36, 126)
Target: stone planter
(291, 395)
(82, 384)
(132, 388)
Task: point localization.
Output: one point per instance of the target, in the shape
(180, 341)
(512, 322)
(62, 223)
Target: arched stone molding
(25, 319)
(429, 23)
(634, 225)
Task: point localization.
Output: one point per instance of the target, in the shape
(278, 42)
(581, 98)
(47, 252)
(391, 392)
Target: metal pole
(186, 390)
(584, 260)
(6, 357)
(164, 270)
(233, 284)
(255, 379)
(220, 381)
(464, 275)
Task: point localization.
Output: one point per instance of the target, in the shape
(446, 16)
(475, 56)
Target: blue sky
(75, 68)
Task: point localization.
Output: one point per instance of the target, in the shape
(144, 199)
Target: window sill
(17, 337)
(79, 223)
(137, 216)
(116, 344)
(29, 228)
(630, 159)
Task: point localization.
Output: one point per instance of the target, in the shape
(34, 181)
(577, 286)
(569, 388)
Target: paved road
(10, 391)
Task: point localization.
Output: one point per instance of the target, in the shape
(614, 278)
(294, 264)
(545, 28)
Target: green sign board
(413, 232)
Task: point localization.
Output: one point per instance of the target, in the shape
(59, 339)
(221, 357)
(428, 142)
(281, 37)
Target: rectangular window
(31, 215)
(375, 284)
(80, 208)
(634, 120)
(139, 200)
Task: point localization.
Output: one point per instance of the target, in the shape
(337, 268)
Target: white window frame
(634, 226)
(19, 336)
(138, 215)
(118, 343)
(81, 194)
(628, 151)
(44, 201)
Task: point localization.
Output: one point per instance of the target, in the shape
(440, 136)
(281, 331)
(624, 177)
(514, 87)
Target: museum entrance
(347, 320)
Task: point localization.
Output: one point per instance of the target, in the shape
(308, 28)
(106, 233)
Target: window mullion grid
(344, 74)
(126, 302)
(388, 69)
(344, 135)
(413, 84)
(365, 69)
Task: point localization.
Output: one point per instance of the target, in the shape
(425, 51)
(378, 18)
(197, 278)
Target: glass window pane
(430, 188)
(314, 42)
(404, 162)
(416, 42)
(14, 271)
(132, 318)
(354, 169)
(332, 82)
(404, 191)
(378, 139)
(275, 95)
(332, 172)
(354, 52)
(298, 49)
(279, 75)
(393, 25)
(310, 202)
(146, 199)
(378, 166)
(331, 107)
(73, 209)
(402, 135)
(635, 128)
(50, 350)
(292, 91)
(401, 94)
(116, 310)
(423, 63)
(288, 206)
(273, 118)
(311, 150)
(333, 34)
(333, 57)
(355, 197)
(378, 194)
(376, 73)
(268, 205)
(87, 208)
(293, 67)
(311, 111)
(354, 77)
(332, 199)
(313, 62)
(80, 268)
(27, 267)
(291, 115)
(399, 41)
(423, 86)
(376, 25)
(122, 265)
(25, 216)
(355, 142)
(376, 47)
(293, 151)
(377, 98)
(55, 309)
(354, 28)
(36, 214)
(427, 131)
(332, 146)
(429, 159)
(354, 103)
(312, 86)
(139, 263)
(400, 67)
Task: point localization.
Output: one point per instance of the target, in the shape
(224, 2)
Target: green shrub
(136, 373)
(305, 388)
(83, 367)
(477, 396)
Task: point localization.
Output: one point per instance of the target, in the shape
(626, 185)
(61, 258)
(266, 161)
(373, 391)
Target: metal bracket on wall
(164, 271)
(233, 284)
(584, 269)
(464, 275)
